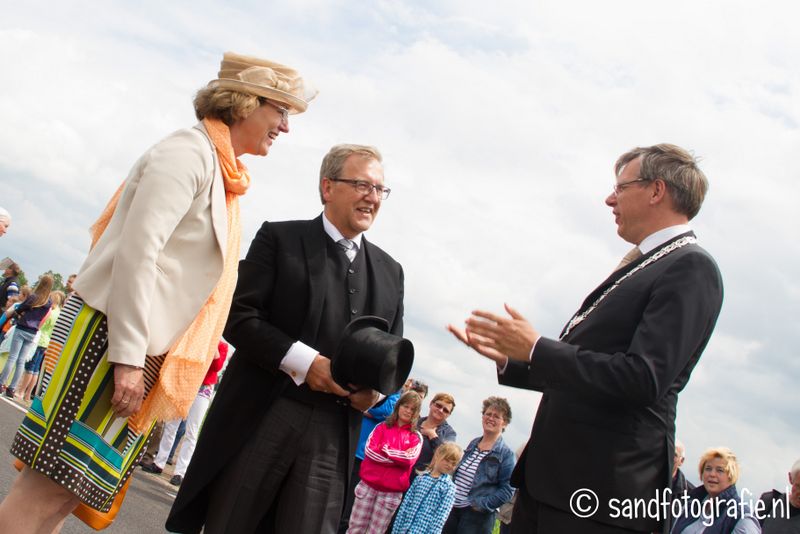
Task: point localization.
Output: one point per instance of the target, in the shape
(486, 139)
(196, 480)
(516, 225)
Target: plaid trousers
(372, 510)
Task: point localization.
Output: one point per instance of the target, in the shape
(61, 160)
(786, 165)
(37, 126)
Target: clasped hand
(319, 378)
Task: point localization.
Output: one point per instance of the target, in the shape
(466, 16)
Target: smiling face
(352, 212)
(493, 421)
(256, 133)
(715, 476)
(439, 411)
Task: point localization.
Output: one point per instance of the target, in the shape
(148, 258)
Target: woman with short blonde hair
(715, 506)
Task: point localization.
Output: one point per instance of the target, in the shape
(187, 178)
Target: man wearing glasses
(604, 433)
(279, 440)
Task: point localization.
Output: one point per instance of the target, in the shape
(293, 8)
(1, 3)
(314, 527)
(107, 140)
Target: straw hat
(264, 78)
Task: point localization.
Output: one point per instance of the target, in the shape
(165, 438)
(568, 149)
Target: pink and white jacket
(389, 457)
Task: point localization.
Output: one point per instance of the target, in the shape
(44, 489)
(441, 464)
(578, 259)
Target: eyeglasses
(283, 111)
(365, 188)
(492, 415)
(619, 188)
(442, 407)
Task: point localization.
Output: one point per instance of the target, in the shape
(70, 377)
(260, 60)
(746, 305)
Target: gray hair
(5, 216)
(686, 183)
(333, 162)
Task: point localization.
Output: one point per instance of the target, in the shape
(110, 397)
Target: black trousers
(290, 476)
(534, 517)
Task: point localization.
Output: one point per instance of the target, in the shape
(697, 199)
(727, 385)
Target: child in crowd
(389, 455)
(427, 504)
(34, 365)
(29, 315)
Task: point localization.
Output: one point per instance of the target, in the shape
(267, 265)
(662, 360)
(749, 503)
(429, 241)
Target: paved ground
(146, 505)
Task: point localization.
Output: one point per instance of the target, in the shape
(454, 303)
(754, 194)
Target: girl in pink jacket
(391, 451)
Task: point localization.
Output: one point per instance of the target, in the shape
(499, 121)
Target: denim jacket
(490, 487)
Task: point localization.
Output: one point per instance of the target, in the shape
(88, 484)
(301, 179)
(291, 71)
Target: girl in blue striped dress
(428, 502)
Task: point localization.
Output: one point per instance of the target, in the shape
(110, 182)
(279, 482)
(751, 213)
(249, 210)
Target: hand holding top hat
(371, 357)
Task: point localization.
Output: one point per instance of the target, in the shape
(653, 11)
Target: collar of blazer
(219, 208)
(625, 273)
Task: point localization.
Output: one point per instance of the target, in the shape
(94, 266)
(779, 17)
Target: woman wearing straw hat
(134, 342)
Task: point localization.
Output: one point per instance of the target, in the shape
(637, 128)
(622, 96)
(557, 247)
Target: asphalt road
(146, 505)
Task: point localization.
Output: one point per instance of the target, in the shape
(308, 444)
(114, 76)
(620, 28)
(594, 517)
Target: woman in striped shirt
(483, 476)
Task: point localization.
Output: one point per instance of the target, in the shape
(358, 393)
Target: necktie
(632, 255)
(350, 248)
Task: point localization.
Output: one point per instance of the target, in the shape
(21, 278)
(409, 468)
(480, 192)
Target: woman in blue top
(716, 507)
(483, 476)
(28, 315)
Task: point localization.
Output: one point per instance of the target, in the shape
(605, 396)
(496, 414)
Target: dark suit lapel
(379, 280)
(619, 273)
(315, 250)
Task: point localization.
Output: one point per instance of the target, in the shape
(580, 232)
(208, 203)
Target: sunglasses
(442, 407)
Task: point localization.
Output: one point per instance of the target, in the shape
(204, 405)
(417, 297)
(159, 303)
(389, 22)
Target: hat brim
(296, 105)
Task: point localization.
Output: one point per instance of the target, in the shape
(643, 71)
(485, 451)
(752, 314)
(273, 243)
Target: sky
(499, 128)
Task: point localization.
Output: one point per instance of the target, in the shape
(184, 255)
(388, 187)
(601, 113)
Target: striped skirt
(70, 433)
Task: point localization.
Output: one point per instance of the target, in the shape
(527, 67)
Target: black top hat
(369, 356)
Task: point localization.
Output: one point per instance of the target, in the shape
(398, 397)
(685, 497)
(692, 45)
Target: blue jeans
(20, 344)
(468, 521)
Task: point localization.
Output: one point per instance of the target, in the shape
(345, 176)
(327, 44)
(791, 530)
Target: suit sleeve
(249, 327)
(173, 172)
(675, 325)
(397, 326)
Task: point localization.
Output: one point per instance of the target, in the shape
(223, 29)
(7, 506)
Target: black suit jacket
(278, 300)
(606, 421)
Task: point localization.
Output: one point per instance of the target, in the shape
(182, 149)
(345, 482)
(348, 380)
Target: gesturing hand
(128, 390)
(496, 337)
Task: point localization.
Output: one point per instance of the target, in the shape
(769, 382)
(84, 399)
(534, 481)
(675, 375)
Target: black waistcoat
(345, 299)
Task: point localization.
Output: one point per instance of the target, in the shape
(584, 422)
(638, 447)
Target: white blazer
(163, 250)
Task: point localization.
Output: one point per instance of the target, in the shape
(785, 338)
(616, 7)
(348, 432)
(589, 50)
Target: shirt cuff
(501, 370)
(297, 361)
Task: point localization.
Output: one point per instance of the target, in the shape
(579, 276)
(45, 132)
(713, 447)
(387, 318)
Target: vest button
(351, 271)
(352, 290)
(354, 311)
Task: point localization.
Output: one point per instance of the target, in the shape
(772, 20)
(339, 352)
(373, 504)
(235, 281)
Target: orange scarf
(189, 358)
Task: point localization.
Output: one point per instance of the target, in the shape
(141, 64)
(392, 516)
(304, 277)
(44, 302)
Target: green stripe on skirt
(70, 433)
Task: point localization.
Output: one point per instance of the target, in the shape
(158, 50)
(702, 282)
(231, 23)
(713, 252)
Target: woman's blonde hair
(411, 398)
(57, 298)
(224, 104)
(725, 454)
(449, 450)
(41, 294)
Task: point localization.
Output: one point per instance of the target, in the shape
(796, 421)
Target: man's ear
(659, 191)
(327, 184)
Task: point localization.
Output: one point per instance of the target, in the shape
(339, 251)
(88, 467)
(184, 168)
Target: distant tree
(58, 280)
(23, 281)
